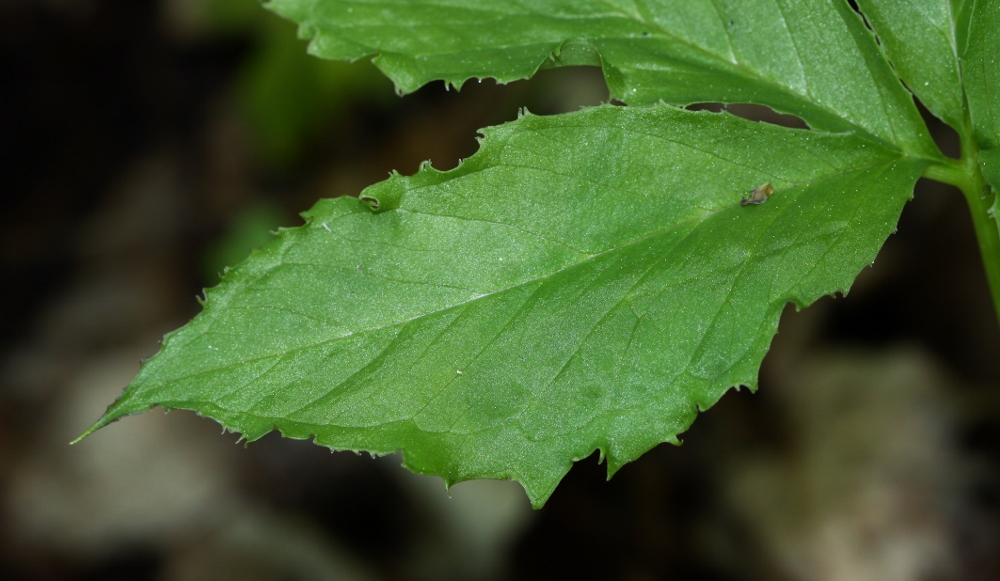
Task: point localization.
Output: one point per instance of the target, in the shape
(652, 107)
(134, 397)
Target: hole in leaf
(944, 135)
(760, 113)
(486, 103)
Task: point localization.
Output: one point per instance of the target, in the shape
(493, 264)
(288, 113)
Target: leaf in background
(287, 98)
(816, 60)
(919, 37)
(249, 227)
(981, 72)
(585, 281)
(290, 98)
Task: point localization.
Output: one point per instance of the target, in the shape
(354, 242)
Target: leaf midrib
(587, 257)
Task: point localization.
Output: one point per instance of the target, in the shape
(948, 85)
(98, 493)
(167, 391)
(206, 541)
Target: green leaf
(989, 163)
(816, 60)
(919, 37)
(585, 281)
(981, 72)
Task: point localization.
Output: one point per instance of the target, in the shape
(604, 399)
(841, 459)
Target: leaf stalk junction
(966, 175)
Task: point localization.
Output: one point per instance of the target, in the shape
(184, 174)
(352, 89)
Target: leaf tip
(81, 437)
(106, 419)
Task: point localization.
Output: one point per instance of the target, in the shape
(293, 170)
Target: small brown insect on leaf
(759, 194)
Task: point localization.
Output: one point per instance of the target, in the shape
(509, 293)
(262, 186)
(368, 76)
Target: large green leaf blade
(585, 281)
(981, 72)
(816, 60)
(919, 37)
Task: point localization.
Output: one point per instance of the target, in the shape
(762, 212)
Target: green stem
(966, 175)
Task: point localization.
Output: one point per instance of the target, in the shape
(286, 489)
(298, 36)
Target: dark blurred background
(145, 145)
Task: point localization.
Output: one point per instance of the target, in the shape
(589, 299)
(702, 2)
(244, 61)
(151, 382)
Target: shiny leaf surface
(585, 281)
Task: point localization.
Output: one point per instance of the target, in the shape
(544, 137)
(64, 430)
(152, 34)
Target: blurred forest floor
(146, 145)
